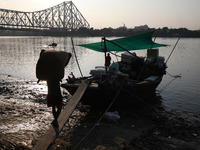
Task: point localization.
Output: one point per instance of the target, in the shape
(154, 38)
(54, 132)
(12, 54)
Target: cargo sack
(51, 64)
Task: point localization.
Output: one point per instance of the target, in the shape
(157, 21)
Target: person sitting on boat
(108, 60)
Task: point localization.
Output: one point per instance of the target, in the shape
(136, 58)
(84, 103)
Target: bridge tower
(64, 16)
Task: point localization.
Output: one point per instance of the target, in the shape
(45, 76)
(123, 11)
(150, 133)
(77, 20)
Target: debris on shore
(25, 117)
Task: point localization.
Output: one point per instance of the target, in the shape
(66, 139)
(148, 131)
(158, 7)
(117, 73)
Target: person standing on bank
(50, 67)
(54, 99)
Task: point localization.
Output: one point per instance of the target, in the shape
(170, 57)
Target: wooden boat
(133, 77)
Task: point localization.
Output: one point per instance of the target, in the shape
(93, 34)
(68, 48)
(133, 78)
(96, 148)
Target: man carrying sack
(50, 67)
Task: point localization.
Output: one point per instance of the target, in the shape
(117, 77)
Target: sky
(116, 13)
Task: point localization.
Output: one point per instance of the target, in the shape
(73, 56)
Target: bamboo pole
(76, 57)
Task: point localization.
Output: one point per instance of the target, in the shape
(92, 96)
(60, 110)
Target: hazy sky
(116, 13)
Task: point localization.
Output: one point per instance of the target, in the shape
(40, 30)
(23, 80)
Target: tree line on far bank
(107, 32)
(124, 31)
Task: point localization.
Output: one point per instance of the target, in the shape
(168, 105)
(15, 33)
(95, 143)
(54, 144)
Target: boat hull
(122, 94)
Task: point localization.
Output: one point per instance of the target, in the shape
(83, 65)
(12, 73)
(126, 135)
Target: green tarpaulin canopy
(137, 42)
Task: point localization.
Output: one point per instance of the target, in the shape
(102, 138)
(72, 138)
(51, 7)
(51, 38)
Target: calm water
(19, 56)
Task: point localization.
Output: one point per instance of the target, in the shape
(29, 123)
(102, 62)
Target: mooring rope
(99, 118)
(164, 87)
(142, 101)
(174, 76)
(139, 98)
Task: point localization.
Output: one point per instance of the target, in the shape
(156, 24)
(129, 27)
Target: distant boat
(133, 76)
(53, 44)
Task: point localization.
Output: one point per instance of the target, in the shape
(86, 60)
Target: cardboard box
(152, 53)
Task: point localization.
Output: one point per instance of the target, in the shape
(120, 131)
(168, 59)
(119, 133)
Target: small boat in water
(124, 81)
(53, 44)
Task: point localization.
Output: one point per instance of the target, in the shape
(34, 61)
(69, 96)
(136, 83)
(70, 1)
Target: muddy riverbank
(25, 117)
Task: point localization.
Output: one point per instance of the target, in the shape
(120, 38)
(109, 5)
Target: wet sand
(25, 117)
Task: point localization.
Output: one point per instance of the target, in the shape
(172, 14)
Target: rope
(76, 57)
(99, 118)
(139, 98)
(164, 87)
(174, 76)
(143, 101)
(137, 115)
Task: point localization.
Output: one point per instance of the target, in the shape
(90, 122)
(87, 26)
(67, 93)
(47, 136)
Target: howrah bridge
(64, 16)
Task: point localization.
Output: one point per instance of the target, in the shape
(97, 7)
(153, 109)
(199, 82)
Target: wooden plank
(53, 132)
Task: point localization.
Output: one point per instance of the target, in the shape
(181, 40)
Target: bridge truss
(64, 16)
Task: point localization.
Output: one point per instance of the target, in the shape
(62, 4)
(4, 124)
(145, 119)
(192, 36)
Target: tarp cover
(137, 42)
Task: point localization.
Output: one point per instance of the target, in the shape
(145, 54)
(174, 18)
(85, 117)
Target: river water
(19, 55)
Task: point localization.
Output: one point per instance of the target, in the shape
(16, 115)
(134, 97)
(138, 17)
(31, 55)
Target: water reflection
(19, 56)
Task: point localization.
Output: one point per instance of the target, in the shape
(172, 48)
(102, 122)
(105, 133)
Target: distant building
(141, 28)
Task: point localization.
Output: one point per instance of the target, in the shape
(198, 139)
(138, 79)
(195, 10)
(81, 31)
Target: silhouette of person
(54, 99)
(108, 60)
(50, 67)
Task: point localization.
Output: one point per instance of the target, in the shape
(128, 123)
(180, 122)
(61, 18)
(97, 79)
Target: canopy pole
(76, 57)
(119, 46)
(172, 50)
(105, 50)
(115, 55)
